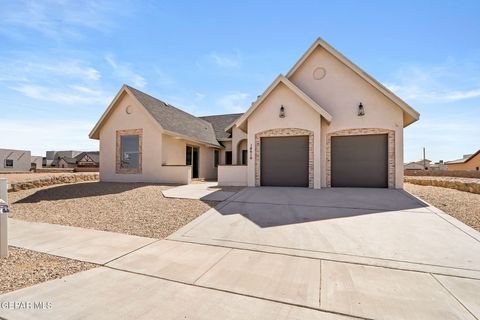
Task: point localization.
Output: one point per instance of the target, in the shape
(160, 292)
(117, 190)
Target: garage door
(360, 161)
(284, 161)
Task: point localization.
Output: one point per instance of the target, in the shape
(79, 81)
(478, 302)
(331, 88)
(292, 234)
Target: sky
(62, 62)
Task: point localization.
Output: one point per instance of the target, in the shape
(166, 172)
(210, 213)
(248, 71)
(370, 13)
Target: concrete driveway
(285, 253)
(379, 227)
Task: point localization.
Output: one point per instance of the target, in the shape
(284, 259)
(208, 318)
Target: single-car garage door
(360, 161)
(284, 161)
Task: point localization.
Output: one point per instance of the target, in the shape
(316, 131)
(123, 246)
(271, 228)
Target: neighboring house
(326, 123)
(418, 165)
(438, 166)
(468, 162)
(36, 162)
(85, 159)
(52, 157)
(15, 160)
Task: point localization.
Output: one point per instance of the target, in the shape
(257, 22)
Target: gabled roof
(465, 159)
(172, 120)
(220, 122)
(93, 155)
(410, 114)
(292, 87)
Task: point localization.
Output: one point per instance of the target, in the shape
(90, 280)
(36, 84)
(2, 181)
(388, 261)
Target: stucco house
(326, 123)
(468, 162)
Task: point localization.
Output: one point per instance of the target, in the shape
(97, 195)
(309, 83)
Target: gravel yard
(463, 206)
(136, 209)
(24, 268)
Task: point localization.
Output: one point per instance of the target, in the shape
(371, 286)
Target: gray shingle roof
(176, 120)
(220, 122)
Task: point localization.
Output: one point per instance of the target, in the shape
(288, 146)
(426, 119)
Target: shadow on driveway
(272, 206)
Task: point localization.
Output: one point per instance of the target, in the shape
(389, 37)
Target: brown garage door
(284, 161)
(360, 161)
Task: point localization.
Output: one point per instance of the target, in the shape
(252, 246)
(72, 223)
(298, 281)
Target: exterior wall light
(282, 112)
(361, 110)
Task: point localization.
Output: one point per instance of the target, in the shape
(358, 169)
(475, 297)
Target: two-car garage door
(356, 161)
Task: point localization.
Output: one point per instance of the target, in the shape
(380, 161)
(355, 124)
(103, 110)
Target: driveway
(379, 227)
(285, 253)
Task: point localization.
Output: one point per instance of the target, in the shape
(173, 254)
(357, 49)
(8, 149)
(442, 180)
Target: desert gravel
(463, 206)
(136, 209)
(24, 268)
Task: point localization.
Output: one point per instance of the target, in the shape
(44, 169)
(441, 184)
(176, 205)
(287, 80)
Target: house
(326, 123)
(418, 165)
(36, 162)
(52, 157)
(85, 159)
(468, 162)
(15, 160)
(440, 166)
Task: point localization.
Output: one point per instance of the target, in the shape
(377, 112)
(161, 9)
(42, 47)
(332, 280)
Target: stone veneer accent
(359, 132)
(284, 132)
(131, 132)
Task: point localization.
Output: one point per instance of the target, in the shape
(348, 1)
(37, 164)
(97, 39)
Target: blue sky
(61, 62)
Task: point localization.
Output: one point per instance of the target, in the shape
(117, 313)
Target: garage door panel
(284, 161)
(360, 161)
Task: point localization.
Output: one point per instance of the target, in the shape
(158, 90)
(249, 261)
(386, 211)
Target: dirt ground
(464, 206)
(24, 268)
(137, 209)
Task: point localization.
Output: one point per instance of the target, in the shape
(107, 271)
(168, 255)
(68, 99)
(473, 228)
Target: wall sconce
(282, 112)
(250, 151)
(361, 110)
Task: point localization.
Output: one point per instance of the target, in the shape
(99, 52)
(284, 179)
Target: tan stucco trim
(118, 167)
(294, 89)
(412, 114)
(359, 132)
(285, 132)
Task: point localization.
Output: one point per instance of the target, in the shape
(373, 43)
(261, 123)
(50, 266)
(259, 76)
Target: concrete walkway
(275, 253)
(88, 245)
(208, 191)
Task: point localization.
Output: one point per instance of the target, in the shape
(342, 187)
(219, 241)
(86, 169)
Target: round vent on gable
(319, 73)
(129, 109)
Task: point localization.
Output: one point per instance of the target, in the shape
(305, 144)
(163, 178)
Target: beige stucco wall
(232, 175)
(163, 156)
(340, 93)
(228, 147)
(472, 164)
(298, 115)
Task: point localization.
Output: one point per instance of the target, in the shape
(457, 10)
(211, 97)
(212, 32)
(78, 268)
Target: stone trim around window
(359, 132)
(130, 132)
(284, 132)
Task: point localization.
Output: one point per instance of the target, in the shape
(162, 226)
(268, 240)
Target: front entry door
(192, 160)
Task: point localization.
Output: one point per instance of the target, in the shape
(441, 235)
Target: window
(478, 168)
(216, 156)
(8, 163)
(244, 157)
(129, 151)
(228, 157)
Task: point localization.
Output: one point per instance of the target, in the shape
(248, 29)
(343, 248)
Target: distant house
(18, 160)
(52, 157)
(14, 160)
(468, 162)
(440, 165)
(84, 159)
(418, 165)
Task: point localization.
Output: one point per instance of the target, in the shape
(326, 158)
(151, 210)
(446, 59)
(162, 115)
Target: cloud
(71, 95)
(233, 102)
(57, 18)
(225, 60)
(37, 135)
(448, 82)
(124, 72)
